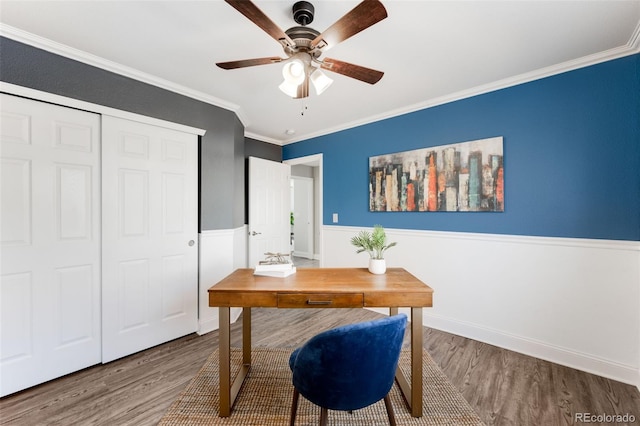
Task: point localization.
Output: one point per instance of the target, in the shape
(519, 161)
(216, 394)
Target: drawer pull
(319, 302)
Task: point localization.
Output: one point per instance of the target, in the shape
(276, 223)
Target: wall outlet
(335, 218)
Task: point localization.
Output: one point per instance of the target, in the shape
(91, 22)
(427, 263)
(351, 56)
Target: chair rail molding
(222, 251)
(571, 301)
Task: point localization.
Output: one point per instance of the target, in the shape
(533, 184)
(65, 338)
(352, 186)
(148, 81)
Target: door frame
(14, 89)
(315, 160)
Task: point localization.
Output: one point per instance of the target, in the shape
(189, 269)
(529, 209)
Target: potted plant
(374, 243)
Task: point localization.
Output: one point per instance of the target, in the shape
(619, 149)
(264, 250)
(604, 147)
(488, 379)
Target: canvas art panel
(460, 177)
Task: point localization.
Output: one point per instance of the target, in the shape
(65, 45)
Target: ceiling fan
(303, 45)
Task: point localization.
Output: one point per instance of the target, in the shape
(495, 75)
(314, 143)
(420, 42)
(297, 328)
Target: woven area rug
(265, 398)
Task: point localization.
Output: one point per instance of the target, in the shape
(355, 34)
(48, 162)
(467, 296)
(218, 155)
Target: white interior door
(149, 228)
(50, 242)
(269, 208)
(303, 216)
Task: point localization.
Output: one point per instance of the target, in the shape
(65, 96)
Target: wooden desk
(318, 288)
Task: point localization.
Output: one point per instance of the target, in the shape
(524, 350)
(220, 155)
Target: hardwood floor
(504, 387)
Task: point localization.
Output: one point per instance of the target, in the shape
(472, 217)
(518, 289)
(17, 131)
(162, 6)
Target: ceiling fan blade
(358, 72)
(248, 63)
(255, 15)
(359, 18)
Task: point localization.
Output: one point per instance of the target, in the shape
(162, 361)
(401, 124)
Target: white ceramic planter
(377, 266)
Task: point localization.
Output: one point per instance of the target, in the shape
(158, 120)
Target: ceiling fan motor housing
(303, 12)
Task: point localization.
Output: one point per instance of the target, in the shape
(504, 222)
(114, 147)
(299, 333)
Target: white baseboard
(304, 254)
(544, 297)
(207, 325)
(212, 324)
(571, 301)
(221, 252)
(537, 349)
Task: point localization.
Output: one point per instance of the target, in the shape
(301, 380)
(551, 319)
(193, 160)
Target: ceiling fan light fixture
(289, 89)
(320, 81)
(294, 72)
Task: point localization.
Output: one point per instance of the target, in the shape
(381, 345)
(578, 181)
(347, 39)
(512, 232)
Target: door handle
(254, 233)
(191, 243)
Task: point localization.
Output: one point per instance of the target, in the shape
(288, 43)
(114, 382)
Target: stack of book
(274, 269)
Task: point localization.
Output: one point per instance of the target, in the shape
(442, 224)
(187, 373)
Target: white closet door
(149, 228)
(50, 242)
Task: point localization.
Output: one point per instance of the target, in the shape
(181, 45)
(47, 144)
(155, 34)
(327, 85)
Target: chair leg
(387, 404)
(294, 406)
(324, 415)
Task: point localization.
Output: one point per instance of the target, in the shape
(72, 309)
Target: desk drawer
(320, 300)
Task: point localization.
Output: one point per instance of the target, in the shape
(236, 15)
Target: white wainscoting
(221, 252)
(575, 302)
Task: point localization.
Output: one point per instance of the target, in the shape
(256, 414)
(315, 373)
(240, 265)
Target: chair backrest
(352, 366)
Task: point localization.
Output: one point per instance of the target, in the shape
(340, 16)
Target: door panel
(150, 287)
(16, 201)
(50, 236)
(269, 208)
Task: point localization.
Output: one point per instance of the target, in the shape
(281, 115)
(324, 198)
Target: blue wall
(571, 156)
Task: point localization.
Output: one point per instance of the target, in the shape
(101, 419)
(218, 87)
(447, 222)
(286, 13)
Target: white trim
(96, 61)
(39, 95)
(221, 252)
(506, 238)
(263, 138)
(571, 301)
(217, 232)
(630, 48)
(638, 372)
(634, 41)
(534, 348)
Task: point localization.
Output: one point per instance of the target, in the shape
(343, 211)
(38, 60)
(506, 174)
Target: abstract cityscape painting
(461, 177)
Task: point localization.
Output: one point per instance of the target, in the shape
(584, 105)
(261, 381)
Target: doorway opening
(306, 210)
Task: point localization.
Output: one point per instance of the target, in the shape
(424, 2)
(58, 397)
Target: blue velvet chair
(348, 367)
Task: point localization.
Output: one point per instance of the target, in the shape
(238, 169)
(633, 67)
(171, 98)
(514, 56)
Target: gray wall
(260, 149)
(222, 177)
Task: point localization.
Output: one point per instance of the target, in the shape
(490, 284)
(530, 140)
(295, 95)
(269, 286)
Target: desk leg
(246, 336)
(413, 392)
(229, 390)
(224, 350)
(416, 362)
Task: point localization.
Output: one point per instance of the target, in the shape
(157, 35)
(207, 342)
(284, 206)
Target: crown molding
(263, 138)
(39, 42)
(632, 47)
(634, 41)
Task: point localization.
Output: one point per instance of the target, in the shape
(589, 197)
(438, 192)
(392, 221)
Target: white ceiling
(431, 51)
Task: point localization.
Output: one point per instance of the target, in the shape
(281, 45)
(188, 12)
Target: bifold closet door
(150, 236)
(50, 242)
